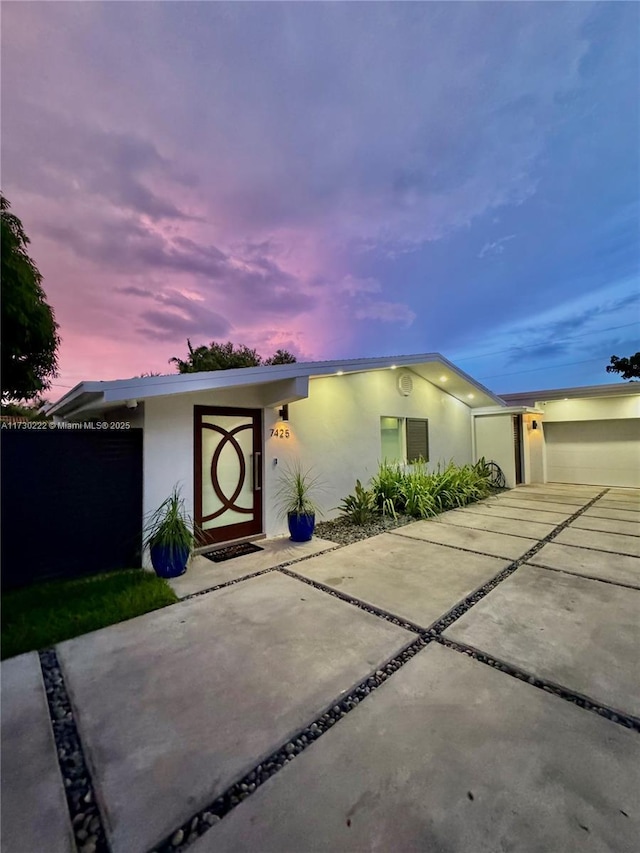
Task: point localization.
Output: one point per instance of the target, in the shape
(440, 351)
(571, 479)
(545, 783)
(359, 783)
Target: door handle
(257, 471)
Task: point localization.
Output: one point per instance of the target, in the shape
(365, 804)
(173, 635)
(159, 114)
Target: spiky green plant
(360, 507)
(418, 498)
(386, 486)
(296, 492)
(170, 526)
(422, 494)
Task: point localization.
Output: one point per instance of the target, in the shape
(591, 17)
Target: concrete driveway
(464, 684)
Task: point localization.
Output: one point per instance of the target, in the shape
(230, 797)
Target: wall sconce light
(534, 424)
(284, 412)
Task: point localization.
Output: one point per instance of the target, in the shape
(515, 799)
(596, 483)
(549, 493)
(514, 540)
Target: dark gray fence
(71, 503)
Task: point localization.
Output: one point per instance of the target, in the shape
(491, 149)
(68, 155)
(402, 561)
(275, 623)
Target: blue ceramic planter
(301, 526)
(169, 562)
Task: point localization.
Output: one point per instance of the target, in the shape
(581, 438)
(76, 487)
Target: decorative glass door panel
(228, 473)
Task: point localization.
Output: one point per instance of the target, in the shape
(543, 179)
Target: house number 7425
(280, 432)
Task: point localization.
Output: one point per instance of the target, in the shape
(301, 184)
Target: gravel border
(627, 720)
(181, 838)
(344, 532)
(86, 820)
(256, 574)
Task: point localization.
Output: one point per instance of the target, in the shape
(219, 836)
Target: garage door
(598, 453)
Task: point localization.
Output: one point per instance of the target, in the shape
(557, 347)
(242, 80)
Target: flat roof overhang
(531, 398)
(435, 368)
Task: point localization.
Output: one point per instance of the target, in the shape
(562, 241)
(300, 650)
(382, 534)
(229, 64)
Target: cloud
(387, 312)
(353, 285)
(136, 291)
(170, 324)
(128, 246)
(356, 134)
(496, 248)
(77, 158)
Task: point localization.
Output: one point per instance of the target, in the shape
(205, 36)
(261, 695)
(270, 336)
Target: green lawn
(47, 613)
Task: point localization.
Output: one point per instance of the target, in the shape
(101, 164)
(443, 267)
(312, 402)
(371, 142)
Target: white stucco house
(226, 435)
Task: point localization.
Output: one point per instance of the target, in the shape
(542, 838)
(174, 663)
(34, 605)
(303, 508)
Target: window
(417, 440)
(404, 440)
(391, 434)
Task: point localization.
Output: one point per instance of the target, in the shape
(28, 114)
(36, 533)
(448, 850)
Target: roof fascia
(507, 410)
(75, 398)
(576, 393)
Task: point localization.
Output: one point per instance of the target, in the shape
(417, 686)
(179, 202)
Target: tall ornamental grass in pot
(296, 501)
(169, 535)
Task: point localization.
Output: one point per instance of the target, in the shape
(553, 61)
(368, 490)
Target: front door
(228, 473)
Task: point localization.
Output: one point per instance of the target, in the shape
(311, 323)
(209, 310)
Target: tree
(29, 330)
(281, 356)
(226, 357)
(33, 411)
(628, 367)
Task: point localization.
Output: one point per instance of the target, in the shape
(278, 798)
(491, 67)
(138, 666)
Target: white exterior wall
(494, 441)
(336, 430)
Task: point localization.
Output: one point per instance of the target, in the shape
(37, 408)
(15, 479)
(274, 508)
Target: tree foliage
(227, 356)
(29, 331)
(32, 411)
(281, 356)
(628, 367)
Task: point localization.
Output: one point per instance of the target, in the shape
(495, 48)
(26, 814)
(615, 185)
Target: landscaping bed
(399, 494)
(343, 531)
(48, 613)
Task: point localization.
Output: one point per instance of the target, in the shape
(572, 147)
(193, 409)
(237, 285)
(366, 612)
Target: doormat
(232, 551)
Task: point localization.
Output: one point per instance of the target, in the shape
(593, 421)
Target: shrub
(387, 489)
(421, 494)
(359, 507)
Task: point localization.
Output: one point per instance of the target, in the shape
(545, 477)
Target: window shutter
(417, 440)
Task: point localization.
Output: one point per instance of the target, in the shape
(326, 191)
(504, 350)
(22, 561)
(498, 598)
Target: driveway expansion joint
(581, 575)
(458, 547)
(596, 550)
(255, 574)
(200, 822)
(86, 820)
(356, 602)
(467, 603)
(614, 715)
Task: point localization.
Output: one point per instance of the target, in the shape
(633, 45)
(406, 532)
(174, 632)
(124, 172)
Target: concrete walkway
(463, 684)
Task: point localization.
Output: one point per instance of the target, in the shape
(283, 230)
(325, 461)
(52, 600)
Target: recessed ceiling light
(340, 373)
(470, 396)
(393, 366)
(566, 398)
(443, 379)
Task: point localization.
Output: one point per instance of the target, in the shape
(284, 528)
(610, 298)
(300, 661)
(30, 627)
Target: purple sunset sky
(340, 179)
